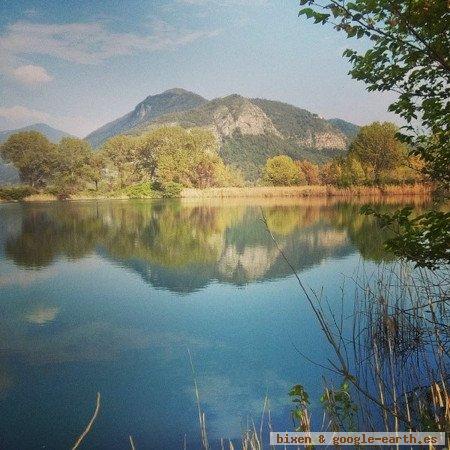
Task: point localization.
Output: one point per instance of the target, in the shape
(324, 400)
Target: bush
(282, 171)
(172, 189)
(16, 193)
(63, 186)
(141, 190)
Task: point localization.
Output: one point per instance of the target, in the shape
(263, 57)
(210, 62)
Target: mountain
(8, 173)
(147, 111)
(249, 130)
(52, 134)
(348, 128)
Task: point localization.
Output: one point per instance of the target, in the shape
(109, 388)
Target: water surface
(108, 296)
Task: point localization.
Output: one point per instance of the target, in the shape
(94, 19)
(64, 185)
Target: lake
(108, 296)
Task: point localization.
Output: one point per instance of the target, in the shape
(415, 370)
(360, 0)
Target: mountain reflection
(184, 245)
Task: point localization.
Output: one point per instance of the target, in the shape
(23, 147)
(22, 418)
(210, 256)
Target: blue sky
(77, 64)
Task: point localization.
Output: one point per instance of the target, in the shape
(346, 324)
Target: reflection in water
(183, 247)
(90, 301)
(42, 315)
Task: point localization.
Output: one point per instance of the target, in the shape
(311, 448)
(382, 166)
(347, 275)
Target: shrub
(282, 171)
(141, 190)
(172, 190)
(64, 186)
(16, 193)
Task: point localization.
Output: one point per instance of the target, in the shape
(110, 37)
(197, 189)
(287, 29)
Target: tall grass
(400, 347)
(309, 191)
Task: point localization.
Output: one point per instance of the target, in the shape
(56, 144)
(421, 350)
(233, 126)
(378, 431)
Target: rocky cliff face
(251, 120)
(324, 140)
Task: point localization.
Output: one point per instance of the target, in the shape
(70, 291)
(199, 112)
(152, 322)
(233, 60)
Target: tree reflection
(183, 247)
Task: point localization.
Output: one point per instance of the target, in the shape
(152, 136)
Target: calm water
(108, 297)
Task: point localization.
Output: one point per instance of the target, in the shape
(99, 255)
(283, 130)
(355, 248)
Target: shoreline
(312, 191)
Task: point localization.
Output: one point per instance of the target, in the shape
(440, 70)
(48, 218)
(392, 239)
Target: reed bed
(401, 347)
(313, 191)
(309, 191)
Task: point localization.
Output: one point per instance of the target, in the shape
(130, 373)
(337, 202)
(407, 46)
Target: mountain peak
(174, 92)
(154, 106)
(178, 91)
(233, 97)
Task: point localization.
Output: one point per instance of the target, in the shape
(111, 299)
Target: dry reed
(309, 191)
(89, 425)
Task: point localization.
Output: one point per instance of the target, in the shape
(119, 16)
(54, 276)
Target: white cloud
(31, 74)
(90, 43)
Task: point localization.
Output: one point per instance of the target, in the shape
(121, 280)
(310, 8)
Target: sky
(78, 64)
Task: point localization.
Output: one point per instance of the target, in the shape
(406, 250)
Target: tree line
(165, 160)
(375, 157)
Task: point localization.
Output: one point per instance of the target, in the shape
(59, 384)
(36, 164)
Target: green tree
(73, 166)
(96, 168)
(356, 169)
(121, 156)
(229, 176)
(33, 155)
(187, 157)
(376, 145)
(73, 156)
(282, 171)
(408, 53)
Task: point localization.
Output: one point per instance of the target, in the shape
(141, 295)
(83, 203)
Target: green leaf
(308, 12)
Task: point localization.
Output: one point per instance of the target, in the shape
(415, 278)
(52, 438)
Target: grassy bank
(309, 191)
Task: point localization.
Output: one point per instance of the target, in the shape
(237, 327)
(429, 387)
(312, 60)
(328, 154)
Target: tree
(96, 168)
(33, 155)
(358, 176)
(229, 176)
(408, 53)
(72, 166)
(282, 171)
(73, 155)
(310, 171)
(376, 145)
(121, 154)
(172, 154)
(331, 172)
